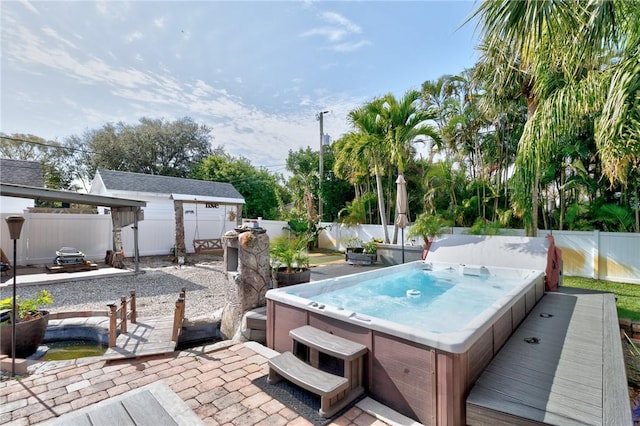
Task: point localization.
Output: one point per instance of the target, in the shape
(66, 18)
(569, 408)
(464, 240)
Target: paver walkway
(215, 382)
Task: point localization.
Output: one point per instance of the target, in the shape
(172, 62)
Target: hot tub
(428, 342)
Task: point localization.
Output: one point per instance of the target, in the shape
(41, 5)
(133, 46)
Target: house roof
(21, 172)
(178, 188)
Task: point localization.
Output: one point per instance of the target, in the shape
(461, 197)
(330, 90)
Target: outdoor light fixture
(15, 227)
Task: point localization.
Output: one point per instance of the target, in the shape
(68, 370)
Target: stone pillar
(247, 287)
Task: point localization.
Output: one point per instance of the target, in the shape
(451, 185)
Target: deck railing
(124, 314)
(118, 317)
(178, 314)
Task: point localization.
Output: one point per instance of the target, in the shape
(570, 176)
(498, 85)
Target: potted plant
(359, 253)
(427, 226)
(290, 260)
(353, 244)
(31, 323)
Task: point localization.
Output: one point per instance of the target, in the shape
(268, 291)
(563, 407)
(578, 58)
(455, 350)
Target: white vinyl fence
(608, 256)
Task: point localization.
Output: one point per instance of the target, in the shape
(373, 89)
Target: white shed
(209, 209)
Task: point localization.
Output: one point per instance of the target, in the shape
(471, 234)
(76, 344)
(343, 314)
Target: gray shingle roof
(139, 182)
(21, 172)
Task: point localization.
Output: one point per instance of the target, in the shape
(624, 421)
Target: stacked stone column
(247, 285)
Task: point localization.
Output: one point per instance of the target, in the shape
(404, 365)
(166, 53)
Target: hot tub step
(328, 386)
(257, 318)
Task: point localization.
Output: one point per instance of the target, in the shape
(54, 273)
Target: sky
(256, 73)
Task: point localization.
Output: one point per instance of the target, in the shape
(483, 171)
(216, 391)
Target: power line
(70, 148)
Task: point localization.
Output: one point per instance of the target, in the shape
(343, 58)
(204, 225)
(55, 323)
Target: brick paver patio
(216, 385)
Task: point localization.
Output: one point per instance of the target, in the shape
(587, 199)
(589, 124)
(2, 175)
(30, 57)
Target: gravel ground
(157, 288)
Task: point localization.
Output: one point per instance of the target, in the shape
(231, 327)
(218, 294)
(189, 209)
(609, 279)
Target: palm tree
(404, 122)
(594, 78)
(368, 142)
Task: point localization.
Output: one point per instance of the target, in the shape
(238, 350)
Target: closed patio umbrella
(402, 208)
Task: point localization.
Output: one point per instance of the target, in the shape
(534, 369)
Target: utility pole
(320, 117)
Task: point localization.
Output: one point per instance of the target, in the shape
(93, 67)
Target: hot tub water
(442, 300)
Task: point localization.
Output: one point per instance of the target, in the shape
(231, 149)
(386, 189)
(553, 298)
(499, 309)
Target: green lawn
(627, 295)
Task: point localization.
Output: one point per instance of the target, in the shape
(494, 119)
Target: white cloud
(238, 80)
(102, 7)
(130, 38)
(28, 5)
(53, 34)
(243, 129)
(332, 34)
(202, 89)
(349, 47)
(340, 29)
(159, 22)
(336, 18)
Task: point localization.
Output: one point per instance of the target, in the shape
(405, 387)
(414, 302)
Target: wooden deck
(149, 336)
(154, 404)
(563, 365)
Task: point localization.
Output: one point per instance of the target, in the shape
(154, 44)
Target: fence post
(123, 314)
(178, 316)
(112, 324)
(134, 315)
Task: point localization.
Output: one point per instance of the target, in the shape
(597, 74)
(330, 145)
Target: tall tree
(56, 159)
(368, 141)
(154, 146)
(258, 187)
(593, 78)
(403, 122)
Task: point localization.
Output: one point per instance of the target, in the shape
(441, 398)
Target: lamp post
(15, 227)
(320, 117)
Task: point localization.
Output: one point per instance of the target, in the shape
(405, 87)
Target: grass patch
(627, 295)
(320, 258)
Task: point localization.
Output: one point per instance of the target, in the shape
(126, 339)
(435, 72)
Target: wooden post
(178, 315)
(183, 296)
(112, 324)
(134, 318)
(123, 314)
(179, 219)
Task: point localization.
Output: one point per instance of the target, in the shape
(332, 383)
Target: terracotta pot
(285, 278)
(29, 335)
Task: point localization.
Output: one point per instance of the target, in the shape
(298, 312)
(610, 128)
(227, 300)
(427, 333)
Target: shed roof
(21, 172)
(140, 182)
(34, 193)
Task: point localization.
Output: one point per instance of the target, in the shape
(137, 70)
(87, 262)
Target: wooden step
(257, 319)
(327, 343)
(302, 374)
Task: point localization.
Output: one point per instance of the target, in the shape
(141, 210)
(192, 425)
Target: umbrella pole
(402, 245)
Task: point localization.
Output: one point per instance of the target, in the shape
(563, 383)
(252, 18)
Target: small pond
(72, 349)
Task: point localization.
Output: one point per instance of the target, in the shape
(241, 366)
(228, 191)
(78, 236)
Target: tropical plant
(368, 142)
(290, 253)
(306, 229)
(591, 83)
(428, 226)
(27, 309)
(485, 227)
(371, 246)
(352, 242)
